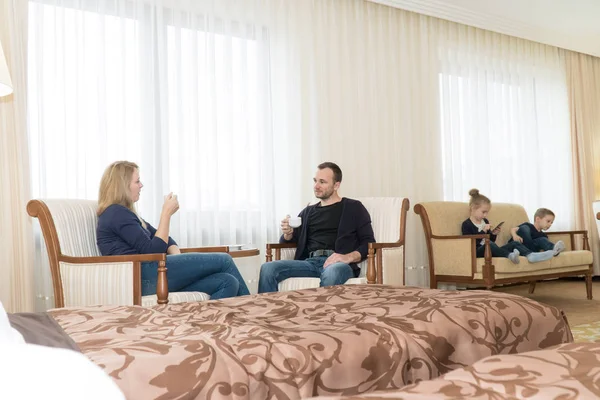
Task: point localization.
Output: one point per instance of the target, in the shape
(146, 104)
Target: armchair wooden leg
(588, 285)
(532, 286)
(371, 273)
(162, 286)
(269, 254)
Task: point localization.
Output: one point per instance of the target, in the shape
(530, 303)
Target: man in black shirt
(333, 238)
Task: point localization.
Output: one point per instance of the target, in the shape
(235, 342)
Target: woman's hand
(173, 249)
(171, 204)
(487, 227)
(496, 231)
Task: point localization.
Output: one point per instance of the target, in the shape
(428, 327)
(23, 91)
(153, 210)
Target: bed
(568, 371)
(341, 340)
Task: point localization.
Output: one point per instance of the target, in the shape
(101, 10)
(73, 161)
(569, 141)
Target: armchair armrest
(585, 240)
(581, 232)
(455, 255)
(277, 247)
(162, 287)
(114, 259)
(381, 245)
(478, 236)
(281, 245)
(374, 274)
(208, 249)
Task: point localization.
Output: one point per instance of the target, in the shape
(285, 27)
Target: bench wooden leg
(532, 286)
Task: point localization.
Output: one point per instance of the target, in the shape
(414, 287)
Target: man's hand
(343, 258)
(286, 229)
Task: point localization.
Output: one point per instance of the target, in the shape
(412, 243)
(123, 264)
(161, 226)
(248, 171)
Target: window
(182, 92)
(505, 130)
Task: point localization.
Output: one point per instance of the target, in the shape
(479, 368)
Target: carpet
(567, 295)
(586, 332)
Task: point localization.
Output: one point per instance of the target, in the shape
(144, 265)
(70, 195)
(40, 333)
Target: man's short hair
(542, 212)
(337, 172)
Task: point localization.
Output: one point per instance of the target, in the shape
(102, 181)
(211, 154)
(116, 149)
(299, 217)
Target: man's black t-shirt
(322, 226)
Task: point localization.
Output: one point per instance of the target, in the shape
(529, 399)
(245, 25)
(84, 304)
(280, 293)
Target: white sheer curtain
(505, 121)
(181, 88)
(368, 79)
(16, 245)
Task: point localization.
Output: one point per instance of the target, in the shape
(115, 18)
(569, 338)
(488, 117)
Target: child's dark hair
(542, 212)
(477, 199)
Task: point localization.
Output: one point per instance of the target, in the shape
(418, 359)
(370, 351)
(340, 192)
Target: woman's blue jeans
(212, 273)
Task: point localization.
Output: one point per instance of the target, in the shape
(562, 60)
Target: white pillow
(8, 334)
(29, 371)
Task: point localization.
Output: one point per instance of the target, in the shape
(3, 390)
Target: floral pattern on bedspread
(568, 371)
(340, 340)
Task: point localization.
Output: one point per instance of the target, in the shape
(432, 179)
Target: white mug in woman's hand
(295, 222)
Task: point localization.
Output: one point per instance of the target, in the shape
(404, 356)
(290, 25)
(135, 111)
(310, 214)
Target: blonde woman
(121, 231)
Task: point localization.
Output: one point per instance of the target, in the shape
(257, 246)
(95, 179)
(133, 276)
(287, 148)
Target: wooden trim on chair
(375, 256)
(402, 240)
(489, 270)
(277, 247)
(114, 259)
(162, 285)
(38, 209)
(244, 253)
(208, 249)
(579, 232)
(381, 245)
(420, 210)
(137, 283)
(379, 263)
(572, 236)
(371, 272)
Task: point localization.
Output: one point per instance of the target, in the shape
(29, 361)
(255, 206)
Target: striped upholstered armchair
(81, 276)
(385, 259)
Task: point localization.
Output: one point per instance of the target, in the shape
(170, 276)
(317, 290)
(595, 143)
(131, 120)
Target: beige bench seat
(452, 256)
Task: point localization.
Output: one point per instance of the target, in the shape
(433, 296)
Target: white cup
(295, 222)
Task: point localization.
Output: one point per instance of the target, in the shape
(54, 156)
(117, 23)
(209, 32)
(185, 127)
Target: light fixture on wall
(5, 82)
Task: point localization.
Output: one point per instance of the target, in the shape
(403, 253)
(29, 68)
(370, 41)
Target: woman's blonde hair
(477, 199)
(114, 186)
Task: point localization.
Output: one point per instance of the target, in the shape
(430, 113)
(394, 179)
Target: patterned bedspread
(569, 371)
(340, 340)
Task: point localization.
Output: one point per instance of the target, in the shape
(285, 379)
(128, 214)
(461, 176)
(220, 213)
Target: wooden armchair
(388, 217)
(81, 276)
(452, 257)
